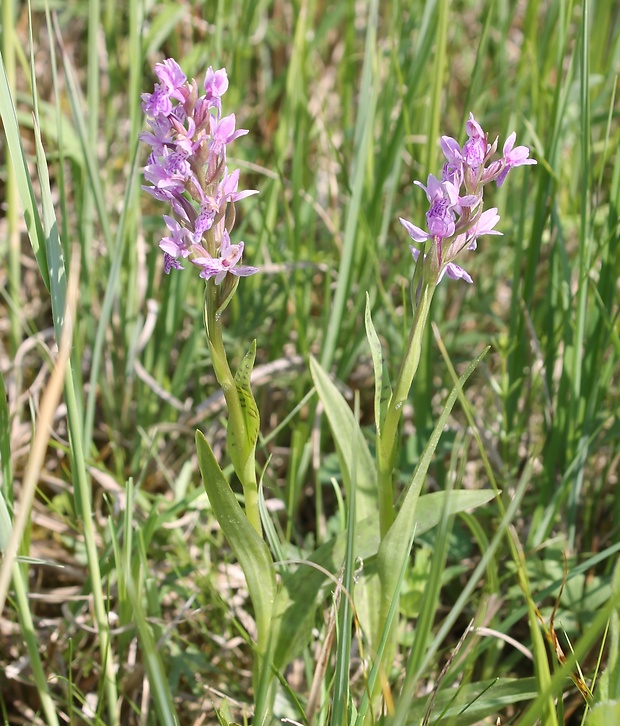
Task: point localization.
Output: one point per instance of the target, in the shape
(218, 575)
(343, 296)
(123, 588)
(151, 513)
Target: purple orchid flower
(219, 267)
(513, 157)
(216, 85)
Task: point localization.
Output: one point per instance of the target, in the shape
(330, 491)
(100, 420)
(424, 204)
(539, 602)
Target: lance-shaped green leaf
(249, 549)
(383, 390)
(305, 588)
(342, 422)
(393, 549)
(473, 702)
(241, 449)
(608, 687)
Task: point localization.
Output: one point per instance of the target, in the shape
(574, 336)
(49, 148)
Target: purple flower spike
(187, 169)
(456, 219)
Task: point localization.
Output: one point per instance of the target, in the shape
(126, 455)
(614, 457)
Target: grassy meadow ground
(122, 568)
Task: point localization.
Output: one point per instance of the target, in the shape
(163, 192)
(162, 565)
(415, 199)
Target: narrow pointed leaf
(383, 390)
(305, 588)
(474, 702)
(393, 549)
(240, 451)
(53, 247)
(249, 549)
(342, 422)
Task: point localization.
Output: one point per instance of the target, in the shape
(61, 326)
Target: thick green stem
(387, 441)
(236, 419)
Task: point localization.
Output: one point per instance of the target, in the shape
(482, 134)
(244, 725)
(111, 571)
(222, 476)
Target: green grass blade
(341, 420)
(363, 134)
(22, 176)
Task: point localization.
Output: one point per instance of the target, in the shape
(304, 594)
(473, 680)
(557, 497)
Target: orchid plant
(455, 220)
(187, 169)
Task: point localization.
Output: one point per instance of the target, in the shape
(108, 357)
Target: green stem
(236, 419)
(32, 640)
(82, 495)
(387, 440)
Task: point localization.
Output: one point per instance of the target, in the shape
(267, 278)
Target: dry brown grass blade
(552, 639)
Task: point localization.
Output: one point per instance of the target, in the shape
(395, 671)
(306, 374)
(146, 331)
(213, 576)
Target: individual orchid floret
(178, 244)
(485, 224)
(434, 188)
(450, 269)
(475, 148)
(440, 218)
(159, 103)
(513, 157)
(213, 206)
(216, 85)
(171, 77)
(223, 132)
(219, 267)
